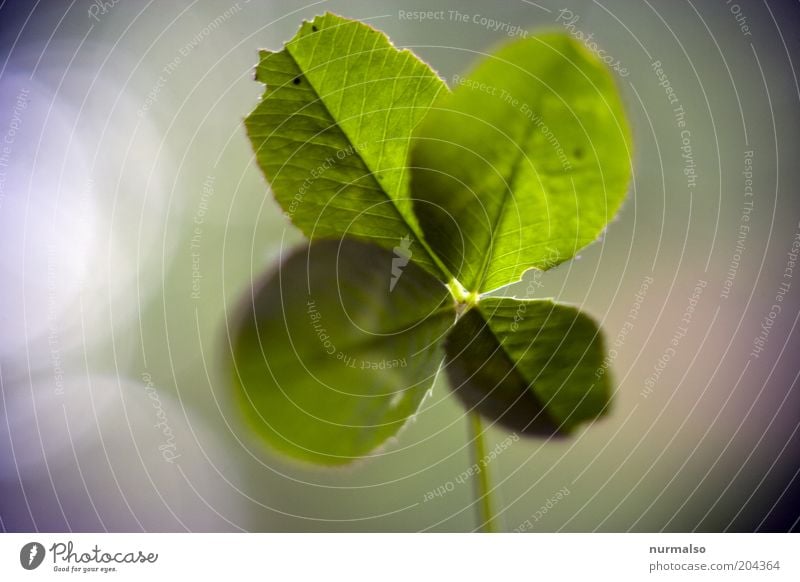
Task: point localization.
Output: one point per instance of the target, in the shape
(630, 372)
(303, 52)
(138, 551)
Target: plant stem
(482, 485)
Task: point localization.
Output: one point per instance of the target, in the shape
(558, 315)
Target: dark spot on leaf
(314, 28)
(296, 80)
(578, 153)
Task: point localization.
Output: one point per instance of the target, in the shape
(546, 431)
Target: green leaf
(333, 129)
(337, 349)
(533, 365)
(523, 164)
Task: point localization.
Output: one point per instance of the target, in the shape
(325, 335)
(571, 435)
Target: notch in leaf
(334, 146)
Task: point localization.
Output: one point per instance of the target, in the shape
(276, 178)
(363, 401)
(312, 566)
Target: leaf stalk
(483, 482)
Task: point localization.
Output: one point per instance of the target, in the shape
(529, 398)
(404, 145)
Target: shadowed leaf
(529, 364)
(329, 362)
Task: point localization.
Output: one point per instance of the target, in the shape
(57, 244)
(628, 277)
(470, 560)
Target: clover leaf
(524, 164)
(333, 130)
(330, 361)
(530, 364)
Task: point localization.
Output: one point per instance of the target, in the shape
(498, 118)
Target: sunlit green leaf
(332, 131)
(524, 164)
(336, 350)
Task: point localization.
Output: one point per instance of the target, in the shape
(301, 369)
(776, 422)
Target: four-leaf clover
(419, 203)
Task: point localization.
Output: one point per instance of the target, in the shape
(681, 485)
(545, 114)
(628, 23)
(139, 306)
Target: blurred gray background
(122, 129)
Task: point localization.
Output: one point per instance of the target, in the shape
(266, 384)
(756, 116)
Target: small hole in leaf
(296, 80)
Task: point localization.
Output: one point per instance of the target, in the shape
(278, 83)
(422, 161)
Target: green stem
(482, 485)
